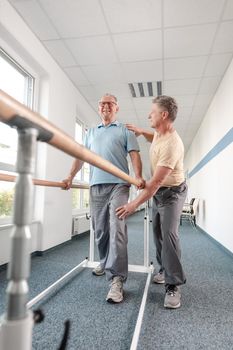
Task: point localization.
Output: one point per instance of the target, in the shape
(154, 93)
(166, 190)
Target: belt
(165, 188)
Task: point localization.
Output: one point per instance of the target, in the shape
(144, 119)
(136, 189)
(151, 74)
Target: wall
(58, 100)
(209, 163)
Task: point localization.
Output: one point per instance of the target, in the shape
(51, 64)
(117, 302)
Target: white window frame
(18, 63)
(82, 209)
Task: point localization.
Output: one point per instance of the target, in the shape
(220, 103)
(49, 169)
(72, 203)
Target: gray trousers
(110, 232)
(166, 211)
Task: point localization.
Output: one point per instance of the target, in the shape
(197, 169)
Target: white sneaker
(115, 294)
(98, 271)
(159, 278)
(172, 297)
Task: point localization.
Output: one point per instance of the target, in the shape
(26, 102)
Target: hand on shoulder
(134, 128)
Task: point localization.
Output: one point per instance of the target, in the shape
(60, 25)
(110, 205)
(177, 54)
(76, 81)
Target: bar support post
(17, 323)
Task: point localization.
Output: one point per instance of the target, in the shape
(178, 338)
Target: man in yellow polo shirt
(168, 188)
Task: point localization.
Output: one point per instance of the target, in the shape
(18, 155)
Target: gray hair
(168, 104)
(110, 95)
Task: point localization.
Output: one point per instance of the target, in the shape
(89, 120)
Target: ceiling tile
(196, 118)
(190, 132)
(77, 76)
(104, 73)
(117, 89)
(185, 100)
(199, 110)
(193, 125)
(92, 50)
(143, 15)
(224, 38)
(228, 13)
(107, 44)
(75, 18)
(217, 64)
(183, 12)
(143, 103)
(94, 105)
(184, 112)
(183, 68)
(143, 114)
(143, 71)
(180, 124)
(126, 104)
(201, 38)
(139, 46)
(34, 17)
(181, 87)
(89, 92)
(203, 100)
(129, 115)
(209, 85)
(59, 51)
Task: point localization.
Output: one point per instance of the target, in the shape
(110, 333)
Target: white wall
(6, 243)
(213, 182)
(58, 100)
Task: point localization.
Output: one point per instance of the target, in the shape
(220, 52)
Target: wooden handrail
(18, 115)
(12, 178)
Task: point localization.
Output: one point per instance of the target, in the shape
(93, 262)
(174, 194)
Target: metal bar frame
(17, 323)
(59, 282)
(145, 268)
(90, 263)
(138, 326)
(18, 320)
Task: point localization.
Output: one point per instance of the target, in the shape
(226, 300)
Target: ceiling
(103, 45)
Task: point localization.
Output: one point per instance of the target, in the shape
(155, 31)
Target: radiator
(80, 224)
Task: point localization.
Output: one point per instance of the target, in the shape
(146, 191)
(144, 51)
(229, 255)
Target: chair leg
(194, 221)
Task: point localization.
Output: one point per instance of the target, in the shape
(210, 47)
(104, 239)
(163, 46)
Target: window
(86, 176)
(80, 198)
(18, 83)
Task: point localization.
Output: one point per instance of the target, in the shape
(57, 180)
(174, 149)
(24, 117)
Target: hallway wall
(209, 165)
(59, 101)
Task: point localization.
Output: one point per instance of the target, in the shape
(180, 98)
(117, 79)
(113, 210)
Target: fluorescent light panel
(145, 89)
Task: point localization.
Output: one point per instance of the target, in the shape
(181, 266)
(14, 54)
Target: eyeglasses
(109, 103)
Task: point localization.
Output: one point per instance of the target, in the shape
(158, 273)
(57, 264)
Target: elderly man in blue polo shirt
(112, 141)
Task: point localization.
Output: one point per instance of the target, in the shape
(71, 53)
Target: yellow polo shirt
(168, 151)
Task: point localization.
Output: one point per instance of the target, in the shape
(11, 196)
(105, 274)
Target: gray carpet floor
(205, 320)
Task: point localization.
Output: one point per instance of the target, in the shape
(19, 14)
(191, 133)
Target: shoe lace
(116, 284)
(171, 291)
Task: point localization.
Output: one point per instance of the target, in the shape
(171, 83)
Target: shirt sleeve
(132, 143)
(85, 142)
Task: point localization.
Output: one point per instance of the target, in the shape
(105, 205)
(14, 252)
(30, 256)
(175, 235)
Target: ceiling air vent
(148, 89)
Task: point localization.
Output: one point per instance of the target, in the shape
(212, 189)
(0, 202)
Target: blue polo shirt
(111, 142)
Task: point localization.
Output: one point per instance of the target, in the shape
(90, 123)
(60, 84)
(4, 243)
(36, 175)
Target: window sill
(5, 226)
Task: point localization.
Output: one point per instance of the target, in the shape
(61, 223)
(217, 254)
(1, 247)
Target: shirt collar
(101, 125)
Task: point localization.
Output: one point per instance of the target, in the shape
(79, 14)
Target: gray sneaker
(98, 271)
(115, 294)
(159, 278)
(172, 297)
